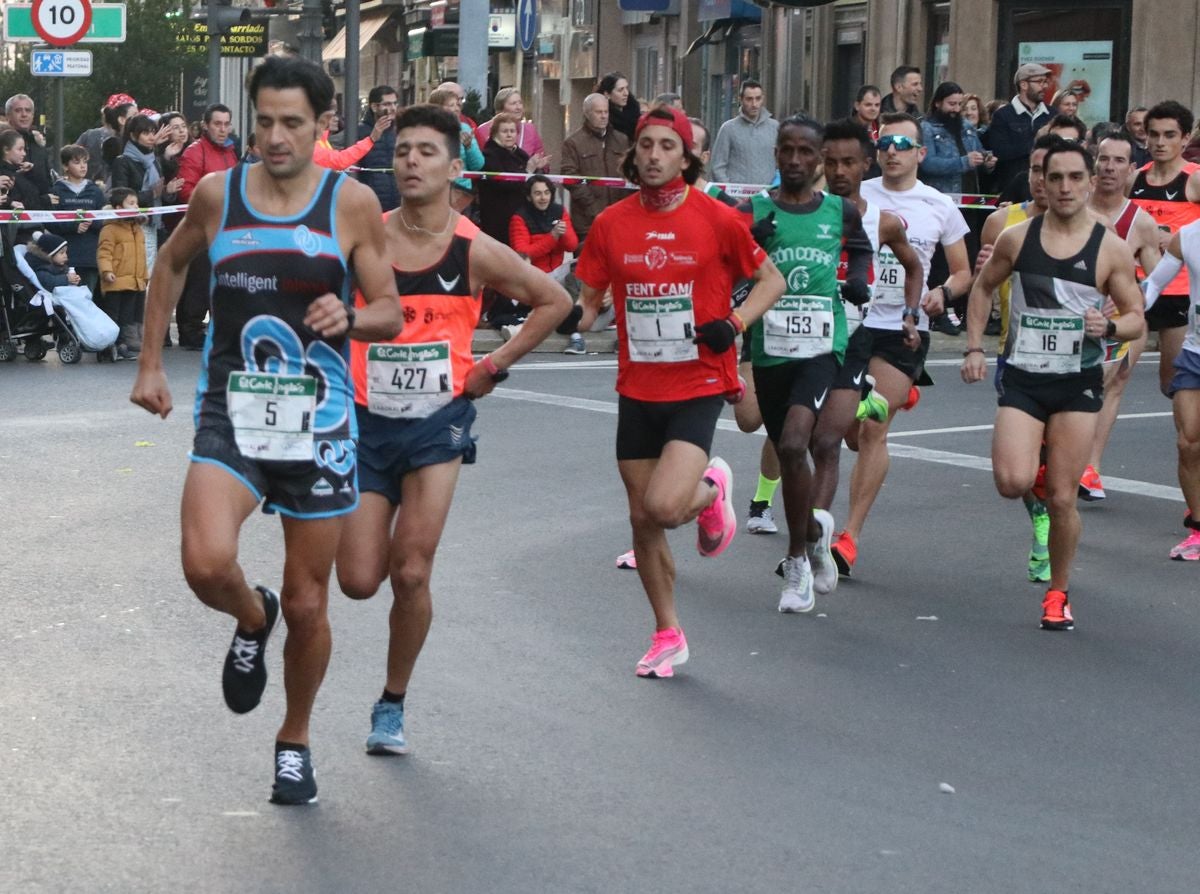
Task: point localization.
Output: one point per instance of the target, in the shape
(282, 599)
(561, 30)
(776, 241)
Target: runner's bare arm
(1145, 242)
(992, 228)
(496, 265)
(979, 305)
(769, 286)
(591, 300)
(360, 226)
(892, 234)
(959, 280)
(1193, 188)
(190, 238)
(1121, 286)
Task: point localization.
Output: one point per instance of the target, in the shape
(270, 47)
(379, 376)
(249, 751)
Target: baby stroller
(29, 314)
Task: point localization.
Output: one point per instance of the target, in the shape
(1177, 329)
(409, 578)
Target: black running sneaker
(295, 782)
(245, 674)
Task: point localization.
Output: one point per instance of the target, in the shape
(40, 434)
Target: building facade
(1120, 53)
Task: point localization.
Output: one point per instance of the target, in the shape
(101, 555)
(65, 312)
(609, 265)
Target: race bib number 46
(409, 381)
(798, 327)
(660, 330)
(272, 415)
(1048, 342)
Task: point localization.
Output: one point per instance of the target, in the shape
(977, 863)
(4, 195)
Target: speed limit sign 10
(62, 22)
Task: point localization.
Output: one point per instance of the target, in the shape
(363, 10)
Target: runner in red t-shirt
(671, 256)
(415, 395)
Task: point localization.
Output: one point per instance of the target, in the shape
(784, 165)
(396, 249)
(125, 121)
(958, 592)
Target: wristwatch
(947, 295)
(914, 312)
(351, 317)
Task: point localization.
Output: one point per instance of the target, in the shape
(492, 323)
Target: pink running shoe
(1189, 549)
(718, 522)
(627, 561)
(667, 649)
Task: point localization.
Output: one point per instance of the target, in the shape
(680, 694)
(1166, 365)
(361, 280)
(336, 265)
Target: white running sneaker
(761, 519)
(825, 573)
(797, 596)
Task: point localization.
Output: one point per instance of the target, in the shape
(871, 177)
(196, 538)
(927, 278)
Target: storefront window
(937, 62)
(1093, 64)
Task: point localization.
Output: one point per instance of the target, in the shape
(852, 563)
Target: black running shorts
(886, 344)
(388, 449)
(1041, 395)
(644, 427)
(1168, 312)
(800, 383)
(322, 488)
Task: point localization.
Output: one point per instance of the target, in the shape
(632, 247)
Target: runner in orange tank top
(1168, 189)
(414, 396)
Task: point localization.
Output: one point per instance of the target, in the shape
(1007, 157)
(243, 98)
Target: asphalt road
(792, 753)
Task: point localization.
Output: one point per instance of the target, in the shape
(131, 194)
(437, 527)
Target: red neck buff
(660, 198)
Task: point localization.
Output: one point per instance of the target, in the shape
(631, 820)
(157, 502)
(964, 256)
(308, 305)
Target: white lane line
(965, 428)
(611, 363)
(906, 451)
(85, 419)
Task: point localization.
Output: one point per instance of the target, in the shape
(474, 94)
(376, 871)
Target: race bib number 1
(409, 381)
(798, 327)
(1048, 342)
(660, 330)
(272, 415)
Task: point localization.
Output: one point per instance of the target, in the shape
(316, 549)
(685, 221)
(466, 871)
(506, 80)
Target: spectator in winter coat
(541, 229)
(744, 150)
(21, 192)
(381, 112)
(211, 152)
(623, 108)
(498, 199)
(953, 151)
(19, 110)
(123, 273)
(508, 102)
(47, 257)
(119, 108)
(595, 150)
(78, 193)
(1014, 126)
(462, 192)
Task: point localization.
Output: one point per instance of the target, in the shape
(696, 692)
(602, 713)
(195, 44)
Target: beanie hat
(49, 243)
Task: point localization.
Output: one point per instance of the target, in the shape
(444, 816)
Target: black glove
(764, 230)
(856, 292)
(716, 335)
(571, 322)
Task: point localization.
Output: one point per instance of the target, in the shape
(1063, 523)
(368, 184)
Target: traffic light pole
(214, 54)
(350, 93)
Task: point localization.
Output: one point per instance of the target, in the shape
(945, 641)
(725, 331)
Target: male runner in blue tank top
(274, 412)
(1063, 264)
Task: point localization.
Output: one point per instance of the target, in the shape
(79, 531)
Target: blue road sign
(47, 63)
(527, 23)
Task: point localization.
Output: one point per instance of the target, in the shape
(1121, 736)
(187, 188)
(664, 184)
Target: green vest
(809, 320)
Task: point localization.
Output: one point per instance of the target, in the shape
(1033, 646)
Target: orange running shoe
(1091, 488)
(1056, 611)
(914, 398)
(845, 552)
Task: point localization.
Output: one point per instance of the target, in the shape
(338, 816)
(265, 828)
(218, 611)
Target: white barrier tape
(21, 216)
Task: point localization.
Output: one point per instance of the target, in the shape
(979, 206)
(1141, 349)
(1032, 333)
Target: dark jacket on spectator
(625, 119)
(382, 183)
(49, 274)
(588, 154)
(128, 173)
(81, 247)
(1010, 137)
(40, 176)
(93, 141)
(499, 201)
(23, 189)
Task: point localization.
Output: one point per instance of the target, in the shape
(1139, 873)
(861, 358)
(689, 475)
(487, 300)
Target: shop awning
(368, 27)
(718, 30)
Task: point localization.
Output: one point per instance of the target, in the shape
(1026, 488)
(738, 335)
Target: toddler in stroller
(40, 298)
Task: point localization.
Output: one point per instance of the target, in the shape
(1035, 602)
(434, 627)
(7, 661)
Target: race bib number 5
(798, 327)
(409, 381)
(272, 415)
(1048, 342)
(660, 330)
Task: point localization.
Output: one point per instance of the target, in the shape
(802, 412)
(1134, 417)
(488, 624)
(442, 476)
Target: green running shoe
(873, 406)
(1039, 550)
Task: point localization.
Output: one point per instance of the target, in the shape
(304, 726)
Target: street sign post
(61, 63)
(527, 23)
(61, 22)
(107, 25)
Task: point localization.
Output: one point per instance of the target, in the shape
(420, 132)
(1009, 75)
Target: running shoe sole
(665, 669)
